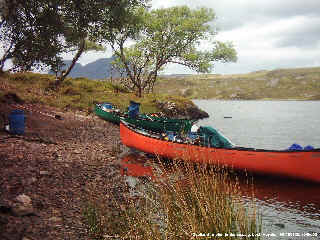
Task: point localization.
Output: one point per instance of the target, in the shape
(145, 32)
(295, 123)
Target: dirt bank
(45, 173)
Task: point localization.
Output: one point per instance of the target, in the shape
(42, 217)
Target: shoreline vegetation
(183, 201)
(82, 93)
(93, 199)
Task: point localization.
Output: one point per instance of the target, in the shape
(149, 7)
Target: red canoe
(304, 164)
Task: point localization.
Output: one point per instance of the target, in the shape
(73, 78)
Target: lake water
(265, 124)
(290, 208)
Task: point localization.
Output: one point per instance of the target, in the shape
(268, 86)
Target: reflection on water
(134, 165)
(300, 195)
(287, 206)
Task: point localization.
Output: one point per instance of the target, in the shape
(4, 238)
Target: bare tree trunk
(64, 74)
(139, 92)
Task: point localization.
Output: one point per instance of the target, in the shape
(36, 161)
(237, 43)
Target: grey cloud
(232, 15)
(290, 8)
(302, 36)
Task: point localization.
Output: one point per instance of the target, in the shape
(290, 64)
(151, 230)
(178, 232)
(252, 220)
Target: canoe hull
(108, 116)
(297, 164)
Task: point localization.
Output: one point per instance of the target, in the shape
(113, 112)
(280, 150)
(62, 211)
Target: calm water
(265, 124)
(290, 208)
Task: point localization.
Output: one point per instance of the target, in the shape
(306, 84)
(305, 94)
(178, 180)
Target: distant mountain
(99, 69)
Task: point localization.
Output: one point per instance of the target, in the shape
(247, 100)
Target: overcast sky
(267, 34)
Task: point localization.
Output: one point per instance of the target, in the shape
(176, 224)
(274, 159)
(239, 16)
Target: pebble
(55, 219)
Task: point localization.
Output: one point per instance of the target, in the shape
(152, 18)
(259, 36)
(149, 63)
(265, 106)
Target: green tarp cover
(212, 138)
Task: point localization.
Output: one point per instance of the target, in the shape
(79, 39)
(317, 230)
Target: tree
(42, 30)
(30, 33)
(171, 35)
(82, 16)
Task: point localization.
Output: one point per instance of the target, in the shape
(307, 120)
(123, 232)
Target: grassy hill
(298, 83)
(77, 94)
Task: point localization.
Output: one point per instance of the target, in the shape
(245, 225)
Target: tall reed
(190, 202)
(200, 200)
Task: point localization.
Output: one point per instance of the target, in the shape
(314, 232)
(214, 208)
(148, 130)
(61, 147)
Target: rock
(188, 111)
(196, 113)
(24, 199)
(23, 207)
(22, 210)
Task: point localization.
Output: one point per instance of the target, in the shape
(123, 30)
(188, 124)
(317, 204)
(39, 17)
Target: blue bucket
(133, 109)
(16, 122)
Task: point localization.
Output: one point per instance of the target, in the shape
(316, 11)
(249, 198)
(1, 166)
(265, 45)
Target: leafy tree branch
(164, 36)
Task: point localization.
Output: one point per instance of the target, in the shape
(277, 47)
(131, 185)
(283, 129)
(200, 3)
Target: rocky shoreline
(46, 174)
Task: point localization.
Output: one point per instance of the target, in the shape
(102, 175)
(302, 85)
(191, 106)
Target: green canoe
(148, 122)
(108, 112)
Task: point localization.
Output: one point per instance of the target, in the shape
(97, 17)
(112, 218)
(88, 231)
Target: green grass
(78, 93)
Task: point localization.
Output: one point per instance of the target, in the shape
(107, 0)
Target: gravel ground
(45, 173)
